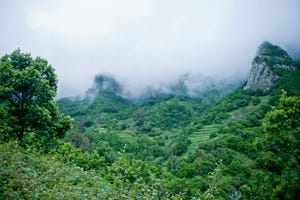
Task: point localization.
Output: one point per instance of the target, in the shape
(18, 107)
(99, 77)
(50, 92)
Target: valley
(235, 142)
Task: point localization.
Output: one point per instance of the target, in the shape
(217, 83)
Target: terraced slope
(202, 136)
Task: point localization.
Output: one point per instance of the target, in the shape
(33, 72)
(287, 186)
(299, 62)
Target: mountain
(270, 66)
(104, 84)
(101, 105)
(193, 139)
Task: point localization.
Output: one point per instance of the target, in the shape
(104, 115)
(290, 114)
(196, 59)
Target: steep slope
(242, 145)
(102, 105)
(106, 104)
(269, 67)
(186, 135)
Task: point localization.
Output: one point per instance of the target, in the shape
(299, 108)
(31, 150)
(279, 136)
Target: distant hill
(193, 139)
(200, 141)
(273, 68)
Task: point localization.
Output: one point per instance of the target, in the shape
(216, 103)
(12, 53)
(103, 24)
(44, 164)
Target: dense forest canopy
(238, 144)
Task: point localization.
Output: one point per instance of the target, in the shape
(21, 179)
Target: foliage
(26, 174)
(266, 48)
(289, 80)
(135, 179)
(181, 144)
(280, 153)
(27, 88)
(218, 112)
(184, 173)
(67, 153)
(165, 115)
(162, 147)
(214, 178)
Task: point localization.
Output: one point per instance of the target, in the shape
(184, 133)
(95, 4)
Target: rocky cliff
(269, 57)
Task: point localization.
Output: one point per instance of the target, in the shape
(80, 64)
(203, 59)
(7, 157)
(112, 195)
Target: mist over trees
(150, 99)
(228, 143)
(140, 42)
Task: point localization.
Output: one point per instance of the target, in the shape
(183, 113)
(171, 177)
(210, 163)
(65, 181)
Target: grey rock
(261, 77)
(269, 57)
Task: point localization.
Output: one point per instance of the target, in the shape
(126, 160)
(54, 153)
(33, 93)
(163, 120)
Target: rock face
(269, 57)
(261, 77)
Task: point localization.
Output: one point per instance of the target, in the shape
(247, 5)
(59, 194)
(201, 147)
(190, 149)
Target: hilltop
(230, 141)
(186, 133)
(270, 68)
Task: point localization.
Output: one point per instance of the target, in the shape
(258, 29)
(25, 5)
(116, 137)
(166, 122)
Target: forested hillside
(240, 142)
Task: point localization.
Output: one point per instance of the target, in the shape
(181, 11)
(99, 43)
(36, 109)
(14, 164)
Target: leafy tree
(27, 89)
(181, 144)
(256, 101)
(79, 141)
(213, 180)
(67, 153)
(280, 153)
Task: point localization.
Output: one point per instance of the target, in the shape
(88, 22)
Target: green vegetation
(268, 49)
(28, 174)
(280, 153)
(243, 146)
(288, 80)
(27, 89)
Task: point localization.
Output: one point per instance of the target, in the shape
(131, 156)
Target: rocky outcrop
(269, 57)
(261, 77)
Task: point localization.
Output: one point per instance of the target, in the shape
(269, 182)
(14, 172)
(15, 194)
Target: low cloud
(147, 42)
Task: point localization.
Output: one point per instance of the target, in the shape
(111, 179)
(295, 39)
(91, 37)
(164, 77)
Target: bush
(256, 101)
(213, 135)
(26, 174)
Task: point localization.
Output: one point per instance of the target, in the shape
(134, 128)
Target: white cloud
(91, 19)
(147, 42)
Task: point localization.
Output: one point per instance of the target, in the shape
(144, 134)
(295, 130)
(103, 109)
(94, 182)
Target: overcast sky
(142, 42)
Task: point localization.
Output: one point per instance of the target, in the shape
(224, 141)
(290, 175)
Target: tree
(27, 89)
(281, 147)
(214, 182)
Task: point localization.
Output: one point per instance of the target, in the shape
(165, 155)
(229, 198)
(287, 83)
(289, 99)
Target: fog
(146, 43)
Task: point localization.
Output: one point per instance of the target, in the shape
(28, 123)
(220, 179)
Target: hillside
(272, 69)
(187, 135)
(239, 141)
